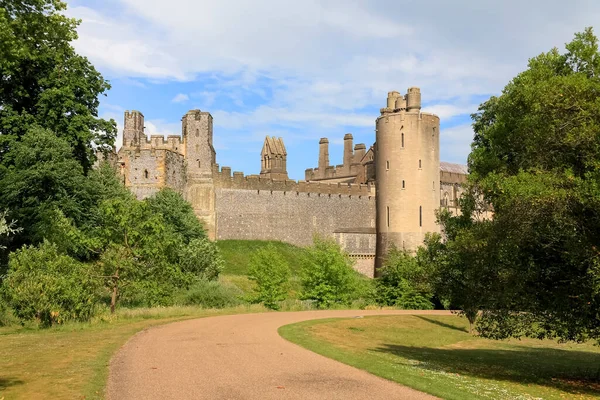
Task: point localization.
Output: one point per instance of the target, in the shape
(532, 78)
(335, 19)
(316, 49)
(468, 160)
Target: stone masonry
(381, 195)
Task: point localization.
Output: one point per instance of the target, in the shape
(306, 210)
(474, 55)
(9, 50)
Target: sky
(302, 70)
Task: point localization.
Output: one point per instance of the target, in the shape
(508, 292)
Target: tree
(178, 214)
(140, 253)
(42, 177)
(403, 282)
(200, 259)
(535, 161)
(51, 288)
(327, 275)
(46, 83)
(271, 273)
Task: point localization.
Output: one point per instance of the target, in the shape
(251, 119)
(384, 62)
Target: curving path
(241, 357)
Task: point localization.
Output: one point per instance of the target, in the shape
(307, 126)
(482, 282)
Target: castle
(386, 195)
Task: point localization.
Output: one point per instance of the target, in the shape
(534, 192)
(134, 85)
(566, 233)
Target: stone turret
(273, 159)
(133, 132)
(407, 167)
(323, 155)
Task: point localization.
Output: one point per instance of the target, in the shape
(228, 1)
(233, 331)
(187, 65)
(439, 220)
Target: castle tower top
(273, 158)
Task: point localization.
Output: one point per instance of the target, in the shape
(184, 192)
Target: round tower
(407, 167)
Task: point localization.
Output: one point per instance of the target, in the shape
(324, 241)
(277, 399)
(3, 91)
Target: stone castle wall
(290, 216)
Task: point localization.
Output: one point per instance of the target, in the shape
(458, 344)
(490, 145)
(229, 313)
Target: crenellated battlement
(159, 142)
(223, 178)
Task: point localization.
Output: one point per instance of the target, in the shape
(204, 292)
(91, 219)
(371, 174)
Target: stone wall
(292, 217)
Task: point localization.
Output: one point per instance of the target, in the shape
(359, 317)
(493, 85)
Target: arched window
(146, 173)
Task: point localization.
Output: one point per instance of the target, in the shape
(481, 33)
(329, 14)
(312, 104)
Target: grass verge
(435, 354)
(70, 361)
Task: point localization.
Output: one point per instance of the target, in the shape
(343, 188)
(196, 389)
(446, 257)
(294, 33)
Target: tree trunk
(113, 299)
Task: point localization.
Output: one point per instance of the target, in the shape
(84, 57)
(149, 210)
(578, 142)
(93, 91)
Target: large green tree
(44, 82)
(535, 161)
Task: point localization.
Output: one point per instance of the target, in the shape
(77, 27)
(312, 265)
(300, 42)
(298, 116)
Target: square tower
(200, 156)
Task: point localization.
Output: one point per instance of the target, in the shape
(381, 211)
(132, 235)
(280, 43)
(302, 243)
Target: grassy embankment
(236, 255)
(70, 361)
(435, 354)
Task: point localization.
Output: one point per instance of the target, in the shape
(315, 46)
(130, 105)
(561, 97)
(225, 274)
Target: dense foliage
(271, 273)
(46, 83)
(49, 287)
(534, 268)
(403, 283)
(327, 275)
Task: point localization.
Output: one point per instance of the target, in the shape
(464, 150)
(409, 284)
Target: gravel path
(241, 357)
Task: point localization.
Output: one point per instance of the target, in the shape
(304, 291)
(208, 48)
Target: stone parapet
(224, 179)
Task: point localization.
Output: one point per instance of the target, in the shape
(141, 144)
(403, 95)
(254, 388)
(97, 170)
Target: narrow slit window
(420, 215)
(387, 165)
(146, 173)
(199, 164)
(403, 140)
(197, 132)
(419, 163)
(403, 185)
(388, 217)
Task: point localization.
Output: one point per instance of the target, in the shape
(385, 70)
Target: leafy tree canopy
(535, 268)
(45, 82)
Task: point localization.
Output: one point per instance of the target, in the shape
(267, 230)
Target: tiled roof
(454, 168)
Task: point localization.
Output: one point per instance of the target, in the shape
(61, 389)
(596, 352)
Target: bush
(403, 283)
(178, 214)
(209, 294)
(50, 288)
(271, 274)
(201, 259)
(327, 275)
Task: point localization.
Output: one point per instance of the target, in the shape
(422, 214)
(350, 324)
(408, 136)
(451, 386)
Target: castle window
(403, 185)
(146, 173)
(197, 148)
(387, 165)
(403, 140)
(420, 215)
(419, 164)
(199, 164)
(197, 132)
(388, 217)
(433, 185)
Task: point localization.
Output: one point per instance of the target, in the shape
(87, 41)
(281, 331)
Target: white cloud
(180, 98)
(318, 67)
(455, 143)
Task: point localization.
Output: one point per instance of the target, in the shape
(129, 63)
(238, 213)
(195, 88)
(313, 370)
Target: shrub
(403, 283)
(327, 274)
(201, 259)
(209, 294)
(271, 273)
(178, 214)
(48, 287)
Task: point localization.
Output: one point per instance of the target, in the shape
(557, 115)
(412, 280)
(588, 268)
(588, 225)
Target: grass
(236, 254)
(435, 354)
(70, 361)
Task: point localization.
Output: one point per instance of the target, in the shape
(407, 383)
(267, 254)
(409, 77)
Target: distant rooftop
(453, 168)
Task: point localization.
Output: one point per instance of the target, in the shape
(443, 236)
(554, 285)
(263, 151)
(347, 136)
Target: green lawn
(435, 354)
(71, 361)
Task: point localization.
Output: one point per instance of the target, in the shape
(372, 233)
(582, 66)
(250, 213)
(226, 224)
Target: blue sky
(303, 70)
